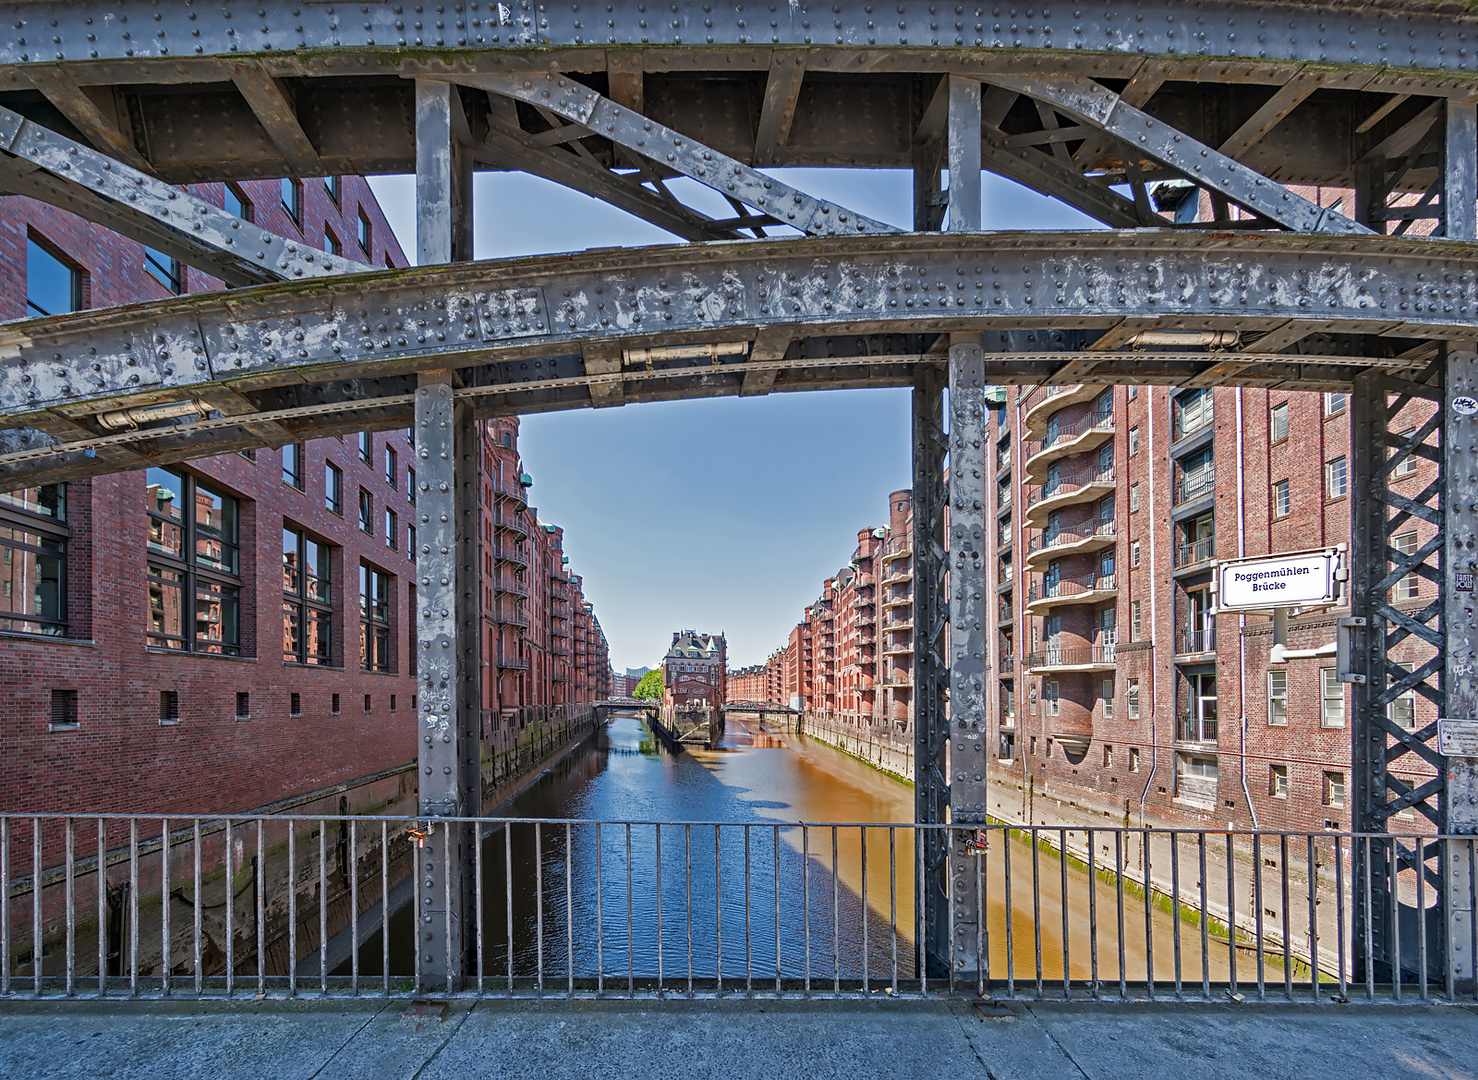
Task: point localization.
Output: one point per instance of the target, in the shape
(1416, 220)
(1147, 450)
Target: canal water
(746, 888)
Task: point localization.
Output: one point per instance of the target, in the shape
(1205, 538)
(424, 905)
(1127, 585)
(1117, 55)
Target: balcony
(1192, 642)
(1077, 540)
(862, 581)
(898, 679)
(1008, 664)
(1073, 658)
(1070, 487)
(1088, 589)
(559, 632)
(510, 554)
(512, 662)
(509, 615)
(1089, 433)
(896, 601)
(510, 489)
(1043, 401)
(1005, 613)
(903, 623)
(1195, 730)
(896, 572)
(557, 649)
(898, 648)
(1194, 484)
(513, 522)
(505, 584)
(898, 547)
(1195, 553)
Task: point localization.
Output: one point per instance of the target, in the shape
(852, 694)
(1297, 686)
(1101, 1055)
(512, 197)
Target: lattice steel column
(930, 671)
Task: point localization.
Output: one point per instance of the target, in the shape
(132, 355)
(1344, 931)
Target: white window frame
(1134, 440)
(1409, 587)
(1131, 699)
(1282, 498)
(1278, 419)
(1275, 774)
(1050, 692)
(1337, 478)
(1277, 699)
(1330, 691)
(1334, 788)
(1106, 694)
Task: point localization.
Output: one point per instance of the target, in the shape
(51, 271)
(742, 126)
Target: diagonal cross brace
(579, 104)
(162, 215)
(1094, 104)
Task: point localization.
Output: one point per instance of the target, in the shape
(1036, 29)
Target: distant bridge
(760, 708)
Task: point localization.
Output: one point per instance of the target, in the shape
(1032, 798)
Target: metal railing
(1198, 551)
(899, 545)
(1072, 656)
(1062, 536)
(1094, 421)
(1194, 484)
(1191, 729)
(510, 553)
(510, 615)
(504, 584)
(1068, 483)
(512, 522)
(244, 907)
(1070, 586)
(510, 489)
(1039, 394)
(1195, 641)
(512, 661)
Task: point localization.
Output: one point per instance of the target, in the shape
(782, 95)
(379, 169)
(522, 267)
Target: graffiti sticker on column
(1465, 405)
(1304, 579)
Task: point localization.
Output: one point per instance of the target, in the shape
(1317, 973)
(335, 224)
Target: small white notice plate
(1457, 738)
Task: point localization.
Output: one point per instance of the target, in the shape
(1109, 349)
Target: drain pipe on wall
(1242, 617)
(1154, 608)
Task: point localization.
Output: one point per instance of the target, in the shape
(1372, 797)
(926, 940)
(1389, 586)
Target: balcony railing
(1193, 485)
(1069, 482)
(1040, 394)
(1065, 536)
(509, 615)
(510, 489)
(1075, 586)
(513, 586)
(1008, 662)
(1094, 421)
(512, 522)
(512, 662)
(510, 553)
(1190, 729)
(1072, 656)
(1006, 613)
(1195, 641)
(899, 545)
(1198, 551)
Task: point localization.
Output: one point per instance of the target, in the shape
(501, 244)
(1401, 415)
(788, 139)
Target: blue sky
(717, 515)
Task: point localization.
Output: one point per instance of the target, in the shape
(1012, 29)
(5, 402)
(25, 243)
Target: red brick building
(695, 670)
(236, 631)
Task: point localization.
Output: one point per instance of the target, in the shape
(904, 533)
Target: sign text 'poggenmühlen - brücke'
(1280, 581)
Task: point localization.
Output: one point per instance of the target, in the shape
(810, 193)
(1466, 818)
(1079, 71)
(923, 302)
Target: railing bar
(1313, 916)
(892, 899)
(748, 955)
(836, 938)
(1010, 918)
(775, 836)
(688, 886)
(718, 913)
(866, 959)
(1395, 936)
(292, 909)
(1262, 989)
(1067, 971)
(1149, 929)
(1369, 933)
(1421, 918)
(1119, 908)
(322, 907)
(1205, 918)
(806, 898)
(37, 963)
(1339, 911)
(658, 827)
(600, 926)
(5, 906)
(508, 896)
(983, 920)
(230, 916)
(450, 952)
(921, 958)
(1284, 914)
(630, 952)
(1037, 907)
(353, 869)
(1231, 917)
(385, 907)
(980, 914)
(70, 874)
(1092, 910)
(197, 909)
(539, 900)
(260, 902)
(1175, 909)
(477, 902)
(102, 903)
(1472, 896)
(166, 960)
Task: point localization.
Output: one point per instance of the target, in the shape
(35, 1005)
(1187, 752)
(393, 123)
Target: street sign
(1304, 579)
(1457, 737)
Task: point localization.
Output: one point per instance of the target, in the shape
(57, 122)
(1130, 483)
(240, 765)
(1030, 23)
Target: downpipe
(1242, 618)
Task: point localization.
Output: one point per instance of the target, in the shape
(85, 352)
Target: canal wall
(865, 738)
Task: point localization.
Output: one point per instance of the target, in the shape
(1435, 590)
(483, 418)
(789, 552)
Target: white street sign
(1301, 580)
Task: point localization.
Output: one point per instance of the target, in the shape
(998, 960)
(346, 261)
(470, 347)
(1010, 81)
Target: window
(243, 705)
(392, 467)
(1192, 411)
(1134, 553)
(192, 556)
(1407, 465)
(1334, 404)
(1136, 626)
(410, 542)
(63, 709)
(33, 560)
(366, 512)
(335, 187)
(1331, 698)
(292, 199)
(410, 486)
(52, 287)
(1049, 695)
(165, 270)
(1108, 757)
(1278, 422)
(374, 621)
(1278, 781)
(1134, 759)
(331, 242)
(392, 530)
(366, 232)
(1409, 587)
(1133, 497)
(292, 465)
(1106, 695)
(368, 703)
(1282, 499)
(1197, 475)
(1334, 789)
(334, 705)
(169, 706)
(1336, 478)
(1131, 699)
(392, 702)
(333, 488)
(295, 704)
(1133, 392)
(306, 599)
(238, 204)
(1133, 441)
(1278, 698)
(1196, 779)
(1403, 707)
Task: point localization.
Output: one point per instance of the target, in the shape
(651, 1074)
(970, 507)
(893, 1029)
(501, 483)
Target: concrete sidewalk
(276, 1040)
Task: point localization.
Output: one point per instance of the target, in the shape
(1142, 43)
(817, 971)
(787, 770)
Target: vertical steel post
(963, 154)
(1460, 172)
(443, 176)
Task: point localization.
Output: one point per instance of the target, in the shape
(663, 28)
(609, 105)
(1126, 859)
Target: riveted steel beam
(93, 111)
(673, 150)
(1094, 104)
(777, 110)
(155, 212)
(443, 175)
(272, 103)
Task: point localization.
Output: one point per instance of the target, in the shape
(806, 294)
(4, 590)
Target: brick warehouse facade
(120, 701)
(695, 671)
